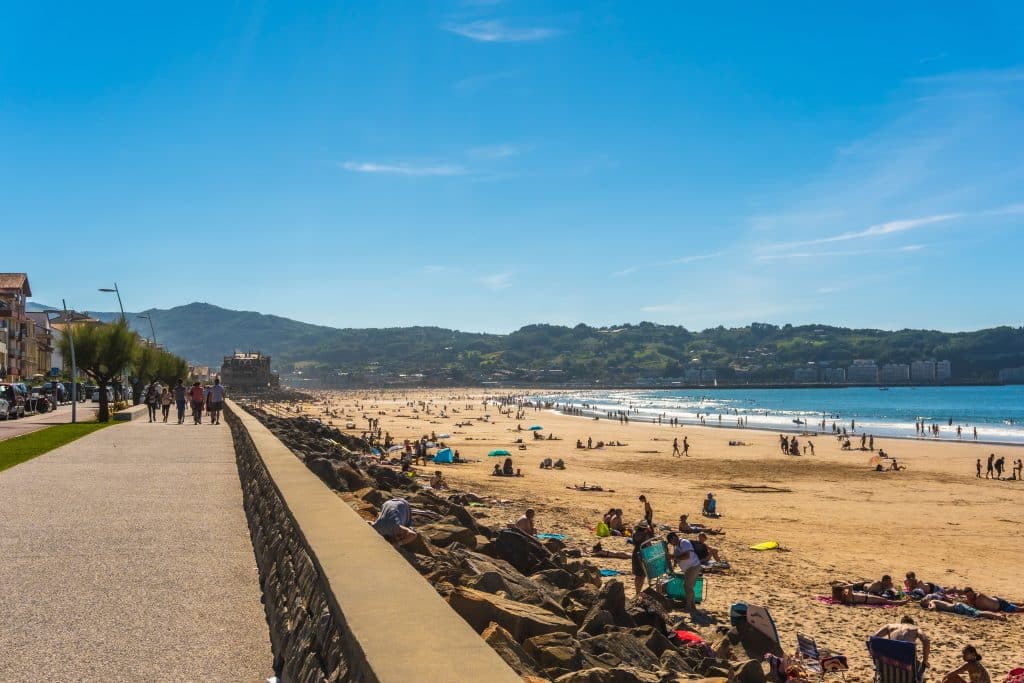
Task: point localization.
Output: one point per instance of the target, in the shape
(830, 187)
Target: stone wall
(341, 603)
(304, 637)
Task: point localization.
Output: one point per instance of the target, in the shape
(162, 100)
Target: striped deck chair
(819, 661)
(895, 661)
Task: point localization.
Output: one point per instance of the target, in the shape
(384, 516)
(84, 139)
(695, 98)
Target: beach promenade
(126, 556)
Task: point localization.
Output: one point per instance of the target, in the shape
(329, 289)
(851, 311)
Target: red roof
(15, 281)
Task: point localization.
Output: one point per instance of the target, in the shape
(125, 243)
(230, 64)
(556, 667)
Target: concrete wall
(341, 603)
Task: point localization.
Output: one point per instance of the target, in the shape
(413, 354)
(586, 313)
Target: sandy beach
(835, 518)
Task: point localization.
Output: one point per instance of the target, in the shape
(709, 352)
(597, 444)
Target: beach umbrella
(429, 444)
(394, 448)
(444, 436)
(536, 428)
(497, 452)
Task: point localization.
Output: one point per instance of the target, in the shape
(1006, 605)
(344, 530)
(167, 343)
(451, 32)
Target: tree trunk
(104, 412)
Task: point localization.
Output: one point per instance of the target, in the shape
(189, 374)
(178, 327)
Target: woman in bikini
(976, 673)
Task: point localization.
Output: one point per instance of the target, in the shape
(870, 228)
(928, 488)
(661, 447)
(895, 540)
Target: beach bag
(737, 613)
(602, 530)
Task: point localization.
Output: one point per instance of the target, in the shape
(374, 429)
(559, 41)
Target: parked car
(3, 409)
(96, 394)
(15, 400)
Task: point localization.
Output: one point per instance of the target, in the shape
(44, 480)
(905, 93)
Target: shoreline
(765, 430)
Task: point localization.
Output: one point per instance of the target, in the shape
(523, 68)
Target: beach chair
(895, 661)
(819, 661)
(654, 556)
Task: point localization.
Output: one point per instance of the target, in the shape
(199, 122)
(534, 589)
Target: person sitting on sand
(579, 444)
(846, 595)
(599, 551)
(972, 667)
(894, 467)
(525, 523)
(437, 481)
(507, 469)
(497, 470)
(907, 632)
(545, 464)
(961, 608)
(987, 603)
(395, 522)
(559, 464)
(710, 508)
(615, 523)
(705, 553)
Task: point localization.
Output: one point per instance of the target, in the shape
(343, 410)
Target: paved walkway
(125, 556)
(23, 425)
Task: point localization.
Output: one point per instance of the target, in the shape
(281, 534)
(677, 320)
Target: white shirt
(690, 560)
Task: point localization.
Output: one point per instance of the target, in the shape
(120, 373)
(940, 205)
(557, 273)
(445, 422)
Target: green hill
(756, 353)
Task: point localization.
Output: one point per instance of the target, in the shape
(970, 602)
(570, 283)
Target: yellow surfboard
(767, 545)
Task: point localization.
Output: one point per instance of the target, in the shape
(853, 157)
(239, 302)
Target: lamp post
(147, 316)
(74, 366)
(115, 290)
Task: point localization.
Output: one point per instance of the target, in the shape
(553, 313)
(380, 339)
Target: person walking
(180, 392)
(989, 470)
(152, 399)
(195, 395)
(215, 402)
(686, 447)
(675, 447)
(165, 402)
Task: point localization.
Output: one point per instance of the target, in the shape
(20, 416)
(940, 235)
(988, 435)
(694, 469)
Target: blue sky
(486, 164)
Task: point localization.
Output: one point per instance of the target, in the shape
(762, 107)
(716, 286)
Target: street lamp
(146, 316)
(115, 290)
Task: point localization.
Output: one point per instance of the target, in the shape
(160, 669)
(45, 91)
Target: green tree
(102, 352)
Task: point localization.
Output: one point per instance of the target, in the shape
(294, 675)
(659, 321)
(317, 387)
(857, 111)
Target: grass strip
(18, 449)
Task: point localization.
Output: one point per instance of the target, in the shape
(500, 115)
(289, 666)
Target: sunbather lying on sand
(588, 487)
(961, 608)
(987, 603)
(846, 595)
(687, 528)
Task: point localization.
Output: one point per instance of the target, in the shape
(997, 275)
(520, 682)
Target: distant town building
(1011, 375)
(895, 373)
(807, 374)
(14, 292)
(247, 371)
(922, 371)
(708, 375)
(835, 375)
(943, 371)
(862, 372)
(39, 346)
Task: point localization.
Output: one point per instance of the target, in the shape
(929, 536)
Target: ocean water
(997, 411)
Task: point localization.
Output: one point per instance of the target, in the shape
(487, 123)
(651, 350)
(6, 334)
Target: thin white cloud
(496, 280)
(404, 169)
(496, 151)
(495, 31)
(980, 76)
(838, 254)
(660, 308)
(877, 230)
(673, 262)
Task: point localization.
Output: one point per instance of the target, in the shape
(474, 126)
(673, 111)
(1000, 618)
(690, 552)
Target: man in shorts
(685, 558)
(908, 632)
(215, 401)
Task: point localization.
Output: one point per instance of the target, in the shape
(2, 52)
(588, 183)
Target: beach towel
(1015, 676)
(767, 545)
(689, 637)
(560, 537)
(610, 572)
